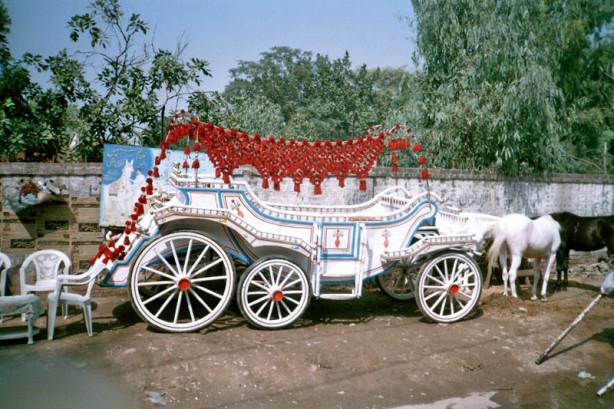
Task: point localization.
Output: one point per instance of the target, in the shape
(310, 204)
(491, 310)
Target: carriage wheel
(273, 293)
(449, 287)
(181, 282)
(397, 283)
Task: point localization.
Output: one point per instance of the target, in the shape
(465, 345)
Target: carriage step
(338, 296)
(338, 275)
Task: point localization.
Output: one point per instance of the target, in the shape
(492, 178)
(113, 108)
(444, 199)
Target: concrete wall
(70, 223)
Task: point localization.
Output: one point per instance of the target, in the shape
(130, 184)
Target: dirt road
(366, 353)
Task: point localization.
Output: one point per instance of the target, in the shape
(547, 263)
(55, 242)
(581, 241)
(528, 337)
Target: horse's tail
(495, 248)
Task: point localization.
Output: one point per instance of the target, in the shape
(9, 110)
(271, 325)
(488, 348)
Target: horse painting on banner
(582, 234)
(517, 236)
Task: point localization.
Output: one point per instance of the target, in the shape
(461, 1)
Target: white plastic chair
(61, 295)
(5, 264)
(47, 265)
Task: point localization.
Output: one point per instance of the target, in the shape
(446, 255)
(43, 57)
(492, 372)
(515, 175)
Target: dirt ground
(373, 352)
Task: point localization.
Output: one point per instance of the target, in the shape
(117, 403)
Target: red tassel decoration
(126, 240)
(425, 174)
(363, 184)
(265, 183)
(297, 187)
(421, 160)
(317, 190)
(195, 164)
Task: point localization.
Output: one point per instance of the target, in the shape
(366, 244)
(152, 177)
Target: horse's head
(128, 168)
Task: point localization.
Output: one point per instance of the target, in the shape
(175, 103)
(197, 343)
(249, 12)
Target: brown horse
(581, 234)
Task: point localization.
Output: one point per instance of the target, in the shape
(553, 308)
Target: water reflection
(34, 380)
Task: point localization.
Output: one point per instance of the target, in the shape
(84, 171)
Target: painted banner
(124, 171)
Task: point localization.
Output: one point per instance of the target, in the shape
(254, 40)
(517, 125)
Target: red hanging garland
(273, 158)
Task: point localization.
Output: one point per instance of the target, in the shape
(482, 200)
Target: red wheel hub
(453, 289)
(277, 296)
(183, 284)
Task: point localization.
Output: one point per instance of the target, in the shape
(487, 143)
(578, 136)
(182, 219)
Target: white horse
(518, 236)
(120, 196)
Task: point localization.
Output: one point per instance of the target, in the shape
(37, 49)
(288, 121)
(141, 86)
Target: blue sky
(223, 32)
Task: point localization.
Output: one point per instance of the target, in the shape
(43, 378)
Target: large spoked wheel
(449, 287)
(181, 282)
(397, 283)
(273, 293)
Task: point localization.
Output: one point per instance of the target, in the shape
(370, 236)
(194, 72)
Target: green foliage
(502, 80)
(305, 97)
(125, 99)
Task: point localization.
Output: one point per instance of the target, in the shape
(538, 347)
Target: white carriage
(198, 241)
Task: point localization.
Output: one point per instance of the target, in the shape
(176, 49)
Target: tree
(135, 85)
(316, 97)
(493, 92)
(30, 119)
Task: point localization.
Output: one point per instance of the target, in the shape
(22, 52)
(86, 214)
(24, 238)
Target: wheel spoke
(271, 307)
(296, 302)
(207, 267)
(210, 292)
(176, 257)
(160, 294)
(440, 282)
(148, 283)
(212, 278)
(298, 280)
(163, 307)
(441, 295)
(265, 301)
(178, 307)
(197, 262)
(286, 278)
(264, 280)
(262, 285)
(279, 275)
(188, 301)
(160, 273)
(259, 300)
(273, 280)
(163, 259)
(200, 300)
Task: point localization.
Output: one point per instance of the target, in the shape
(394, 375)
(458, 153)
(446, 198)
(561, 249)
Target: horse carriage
(196, 241)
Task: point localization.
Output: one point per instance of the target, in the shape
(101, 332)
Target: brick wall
(70, 223)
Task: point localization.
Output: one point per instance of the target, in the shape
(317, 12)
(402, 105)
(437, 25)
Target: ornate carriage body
(292, 252)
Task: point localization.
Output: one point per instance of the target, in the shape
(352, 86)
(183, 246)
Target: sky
(223, 32)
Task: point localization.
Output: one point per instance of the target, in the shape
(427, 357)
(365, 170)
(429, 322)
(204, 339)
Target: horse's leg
(562, 265)
(536, 273)
(565, 266)
(559, 267)
(504, 272)
(516, 260)
(551, 258)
